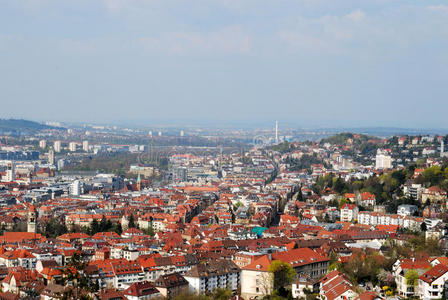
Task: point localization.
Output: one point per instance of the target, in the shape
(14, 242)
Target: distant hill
(18, 126)
(342, 138)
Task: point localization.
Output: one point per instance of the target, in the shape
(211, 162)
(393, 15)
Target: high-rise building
(72, 146)
(57, 146)
(43, 144)
(383, 160)
(85, 146)
(51, 157)
(61, 164)
(76, 188)
(160, 133)
(181, 133)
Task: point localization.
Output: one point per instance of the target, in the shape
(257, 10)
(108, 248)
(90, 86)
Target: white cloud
(356, 16)
(308, 43)
(114, 5)
(229, 40)
(438, 8)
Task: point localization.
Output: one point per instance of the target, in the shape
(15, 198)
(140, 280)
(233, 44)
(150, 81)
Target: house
(118, 273)
(141, 291)
(349, 212)
(304, 261)
(20, 257)
(434, 194)
(111, 294)
(406, 210)
(289, 220)
(208, 276)
(367, 199)
(17, 279)
(431, 285)
(401, 268)
(256, 280)
(53, 292)
(368, 295)
(301, 284)
(171, 285)
(336, 286)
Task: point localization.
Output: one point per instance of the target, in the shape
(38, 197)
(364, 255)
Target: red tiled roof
(434, 273)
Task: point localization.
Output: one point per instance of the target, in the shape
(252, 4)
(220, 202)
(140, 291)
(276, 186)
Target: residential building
(206, 277)
(171, 285)
(432, 284)
(256, 280)
(57, 146)
(349, 212)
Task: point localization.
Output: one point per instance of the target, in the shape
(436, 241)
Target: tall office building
(85, 146)
(43, 144)
(72, 146)
(57, 146)
(51, 157)
(76, 188)
(61, 164)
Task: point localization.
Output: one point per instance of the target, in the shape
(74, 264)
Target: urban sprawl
(100, 212)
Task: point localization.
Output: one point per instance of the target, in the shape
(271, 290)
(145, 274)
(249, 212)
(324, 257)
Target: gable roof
(433, 274)
(260, 264)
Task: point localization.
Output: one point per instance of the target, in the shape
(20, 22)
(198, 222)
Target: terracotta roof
(140, 289)
(260, 264)
(434, 273)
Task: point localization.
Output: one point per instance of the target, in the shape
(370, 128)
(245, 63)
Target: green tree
(103, 224)
(283, 273)
(55, 228)
(131, 221)
(423, 227)
(343, 201)
(222, 294)
(118, 229)
(411, 277)
(94, 227)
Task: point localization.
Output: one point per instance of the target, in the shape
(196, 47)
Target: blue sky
(305, 62)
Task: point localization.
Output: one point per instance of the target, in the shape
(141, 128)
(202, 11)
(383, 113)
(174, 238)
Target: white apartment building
(349, 212)
(85, 146)
(57, 146)
(375, 218)
(383, 160)
(43, 144)
(72, 146)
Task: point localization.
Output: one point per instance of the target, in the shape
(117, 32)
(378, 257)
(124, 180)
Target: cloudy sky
(306, 62)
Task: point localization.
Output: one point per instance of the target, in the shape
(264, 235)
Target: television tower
(276, 132)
